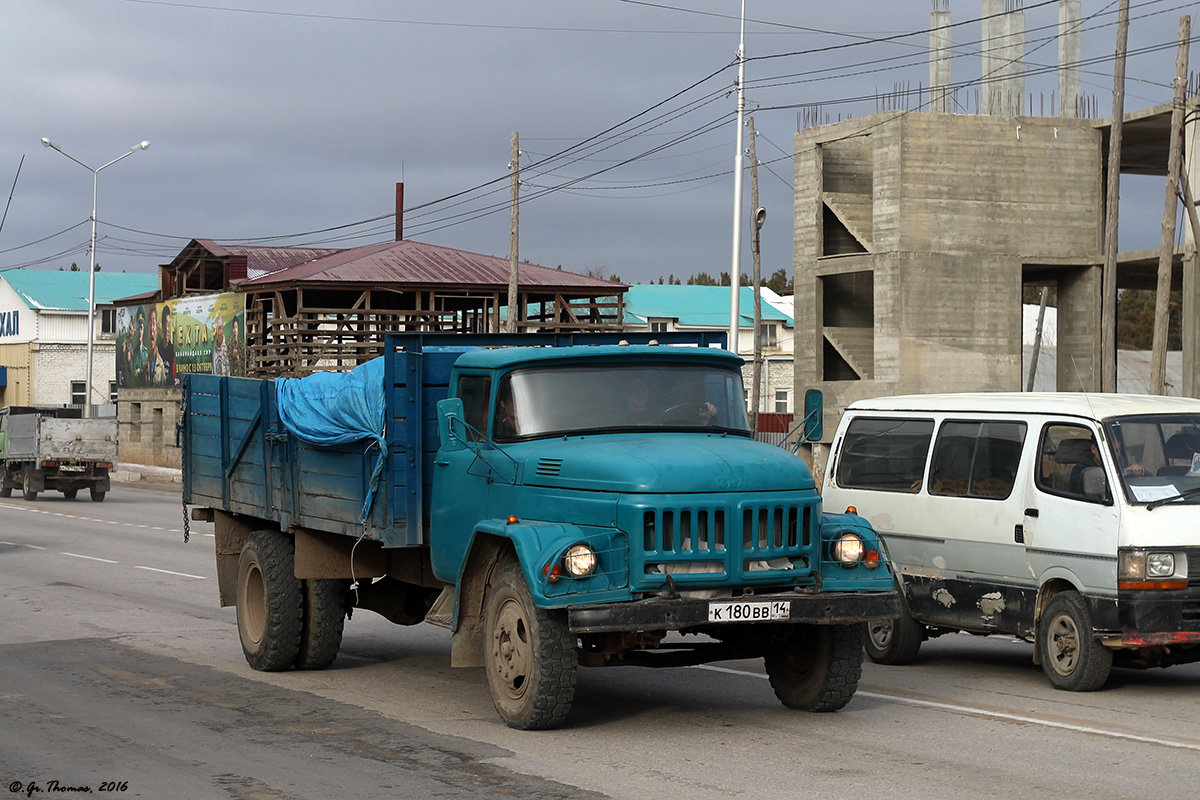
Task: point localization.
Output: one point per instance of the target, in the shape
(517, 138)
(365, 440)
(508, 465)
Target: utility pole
(1037, 339)
(1166, 253)
(514, 167)
(756, 372)
(735, 271)
(1108, 305)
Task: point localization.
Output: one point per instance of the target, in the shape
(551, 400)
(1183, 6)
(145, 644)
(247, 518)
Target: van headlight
(848, 549)
(1160, 565)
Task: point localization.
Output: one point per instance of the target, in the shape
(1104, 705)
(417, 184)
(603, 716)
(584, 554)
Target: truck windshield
(554, 401)
(1158, 456)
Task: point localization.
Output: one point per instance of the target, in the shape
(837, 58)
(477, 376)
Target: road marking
(92, 558)
(82, 518)
(1000, 715)
(169, 572)
(22, 544)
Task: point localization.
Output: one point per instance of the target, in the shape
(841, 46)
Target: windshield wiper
(1181, 496)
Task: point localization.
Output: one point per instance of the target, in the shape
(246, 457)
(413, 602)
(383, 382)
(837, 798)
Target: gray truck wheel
(269, 608)
(97, 496)
(26, 492)
(817, 667)
(530, 655)
(894, 641)
(324, 619)
(69, 494)
(1071, 657)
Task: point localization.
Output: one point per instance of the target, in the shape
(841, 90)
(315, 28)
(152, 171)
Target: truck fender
(494, 544)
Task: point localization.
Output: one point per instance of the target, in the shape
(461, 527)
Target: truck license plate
(749, 611)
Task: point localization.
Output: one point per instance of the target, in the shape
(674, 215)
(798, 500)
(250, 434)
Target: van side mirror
(1093, 483)
(814, 410)
(451, 424)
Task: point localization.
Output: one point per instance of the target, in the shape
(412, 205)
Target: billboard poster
(159, 342)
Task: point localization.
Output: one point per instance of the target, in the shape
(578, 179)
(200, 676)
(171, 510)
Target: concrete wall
(146, 420)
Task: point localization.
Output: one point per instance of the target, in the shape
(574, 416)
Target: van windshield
(1158, 456)
(554, 401)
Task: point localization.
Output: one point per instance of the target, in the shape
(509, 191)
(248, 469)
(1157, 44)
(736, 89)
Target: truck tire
(894, 641)
(1071, 656)
(817, 667)
(26, 492)
(530, 655)
(6, 491)
(269, 607)
(324, 619)
(97, 495)
(69, 494)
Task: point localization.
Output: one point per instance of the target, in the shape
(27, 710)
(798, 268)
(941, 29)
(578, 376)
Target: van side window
(885, 454)
(977, 459)
(1070, 465)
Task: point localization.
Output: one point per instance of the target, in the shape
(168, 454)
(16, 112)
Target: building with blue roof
(43, 334)
(664, 307)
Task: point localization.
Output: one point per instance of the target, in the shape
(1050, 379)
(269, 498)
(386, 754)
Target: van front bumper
(1155, 617)
(679, 613)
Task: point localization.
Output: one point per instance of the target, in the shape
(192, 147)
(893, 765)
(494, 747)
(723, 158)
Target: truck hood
(673, 463)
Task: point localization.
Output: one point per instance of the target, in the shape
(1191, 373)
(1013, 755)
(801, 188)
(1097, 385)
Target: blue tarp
(331, 408)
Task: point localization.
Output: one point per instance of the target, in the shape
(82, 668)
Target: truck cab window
(475, 391)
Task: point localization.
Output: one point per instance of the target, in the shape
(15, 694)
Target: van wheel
(1071, 657)
(817, 667)
(324, 621)
(894, 641)
(269, 612)
(530, 655)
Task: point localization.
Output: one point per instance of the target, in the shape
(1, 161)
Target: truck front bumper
(679, 613)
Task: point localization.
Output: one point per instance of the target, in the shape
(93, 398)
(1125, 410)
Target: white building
(43, 335)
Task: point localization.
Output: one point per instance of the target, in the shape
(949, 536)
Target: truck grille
(723, 543)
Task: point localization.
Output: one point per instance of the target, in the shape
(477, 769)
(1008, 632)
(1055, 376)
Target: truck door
(461, 479)
(1071, 518)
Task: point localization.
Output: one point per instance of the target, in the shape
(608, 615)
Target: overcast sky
(290, 121)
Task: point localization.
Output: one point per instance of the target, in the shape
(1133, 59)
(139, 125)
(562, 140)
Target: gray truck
(53, 448)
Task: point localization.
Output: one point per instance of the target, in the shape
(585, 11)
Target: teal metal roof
(701, 306)
(61, 290)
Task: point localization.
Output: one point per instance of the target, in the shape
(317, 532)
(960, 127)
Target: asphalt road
(119, 674)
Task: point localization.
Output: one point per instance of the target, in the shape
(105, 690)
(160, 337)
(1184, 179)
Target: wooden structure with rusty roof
(310, 309)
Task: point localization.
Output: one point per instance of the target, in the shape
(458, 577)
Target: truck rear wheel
(27, 492)
(817, 667)
(97, 495)
(1071, 657)
(323, 622)
(69, 494)
(530, 655)
(5, 491)
(269, 608)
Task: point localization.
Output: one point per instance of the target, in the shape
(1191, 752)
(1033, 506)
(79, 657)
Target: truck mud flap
(831, 608)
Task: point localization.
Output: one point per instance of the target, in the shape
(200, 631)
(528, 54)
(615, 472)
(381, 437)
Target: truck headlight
(579, 560)
(848, 549)
(1160, 565)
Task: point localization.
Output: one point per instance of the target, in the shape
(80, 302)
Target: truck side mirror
(814, 410)
(450, 424)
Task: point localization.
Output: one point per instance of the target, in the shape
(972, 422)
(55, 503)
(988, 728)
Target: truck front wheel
(530, 655)
(1071, 657)
(324, 621)
(269, 611)
(817, 667)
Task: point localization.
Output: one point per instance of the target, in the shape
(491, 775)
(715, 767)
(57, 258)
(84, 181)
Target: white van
(1068, 519)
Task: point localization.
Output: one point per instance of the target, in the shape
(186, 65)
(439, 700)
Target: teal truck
(53, 448)
(554, 501)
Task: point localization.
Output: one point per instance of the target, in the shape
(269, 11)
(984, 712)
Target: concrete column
(1078, 321)
(1191, 324)
(939, 60)
(1070, 49)
(993, 41)
(1013, 55)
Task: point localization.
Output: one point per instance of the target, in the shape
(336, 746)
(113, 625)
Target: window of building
(781, 401)
(658, 326)
(108, 321)
(112, 392)
(885, 453)
(78, 393)
(769, 334)
(977, 459)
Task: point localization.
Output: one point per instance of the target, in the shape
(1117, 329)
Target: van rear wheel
(817, 667)
(1071, 656)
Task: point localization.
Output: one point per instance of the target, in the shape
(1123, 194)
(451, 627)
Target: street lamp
(91, 323)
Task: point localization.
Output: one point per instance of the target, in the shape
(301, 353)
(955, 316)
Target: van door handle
(1031, 512)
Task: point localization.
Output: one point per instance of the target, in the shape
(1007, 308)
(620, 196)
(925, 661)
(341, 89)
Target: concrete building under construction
(915, 233)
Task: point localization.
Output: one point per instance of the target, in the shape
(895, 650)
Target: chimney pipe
(400, 211)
